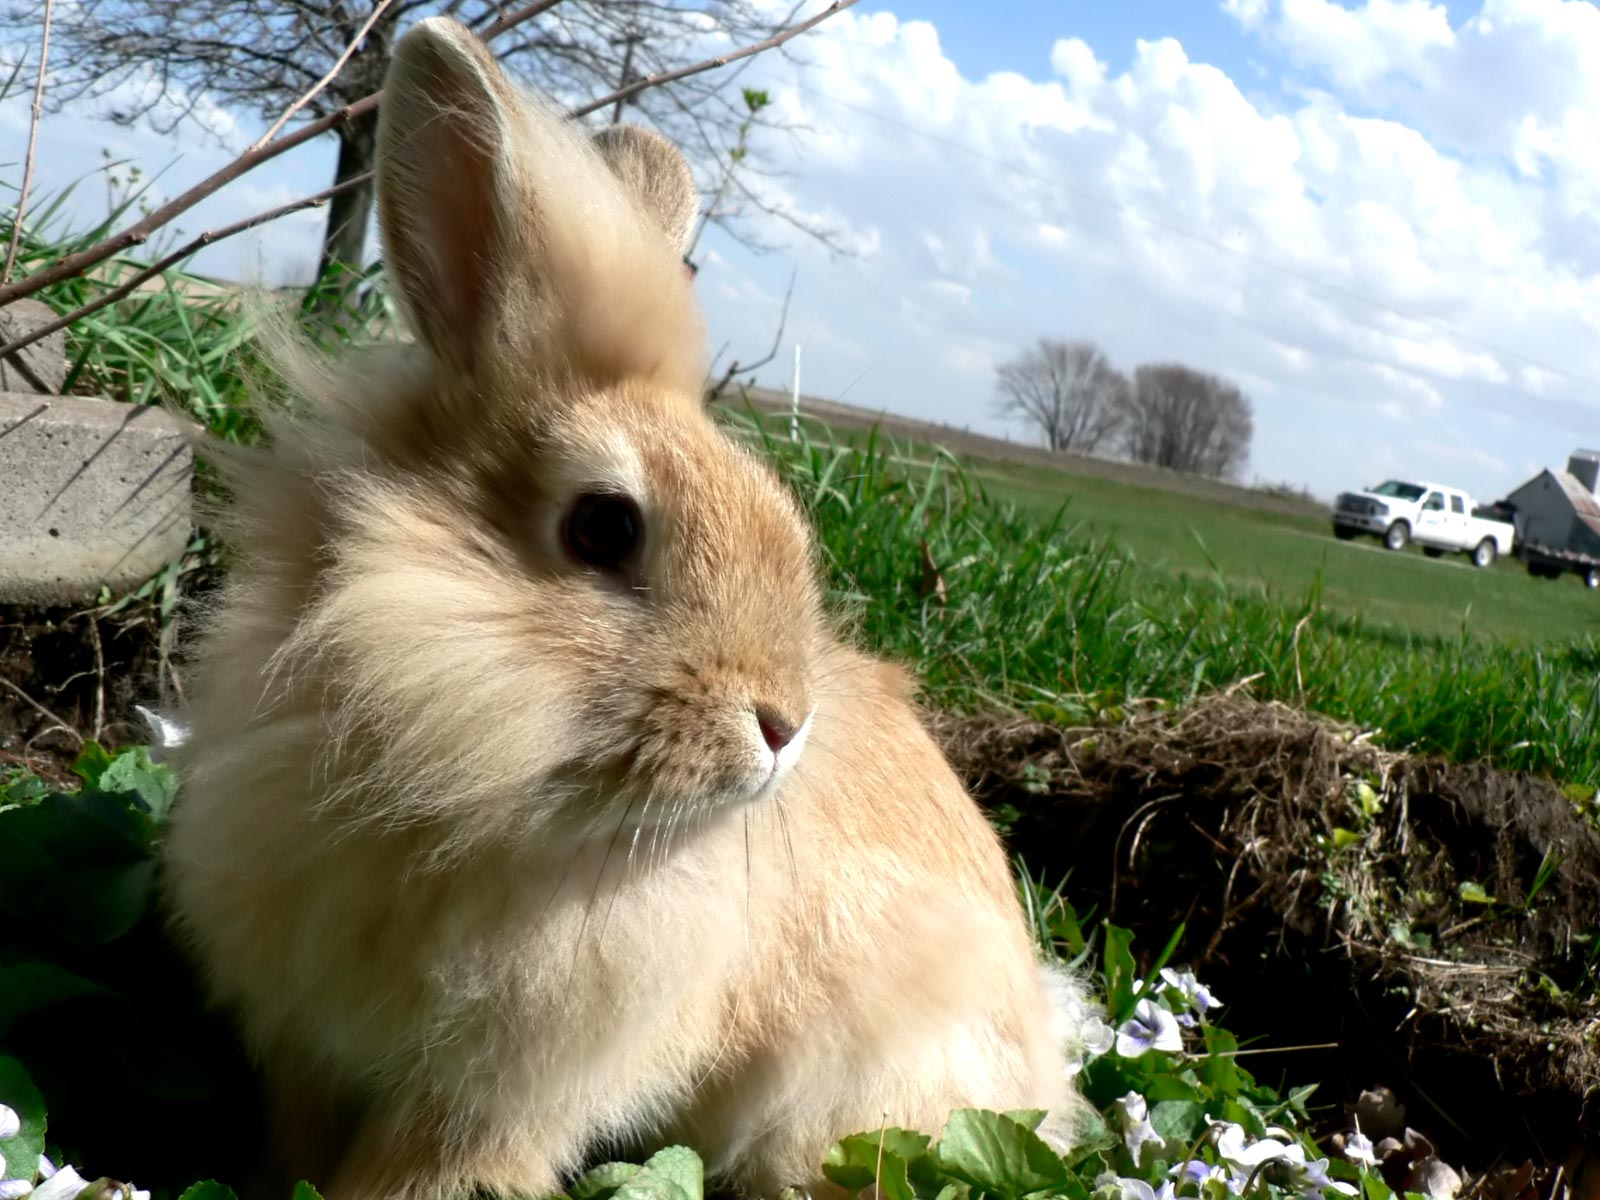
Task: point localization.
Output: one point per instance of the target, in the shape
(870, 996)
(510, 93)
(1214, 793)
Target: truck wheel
(1591, 578)
(1484, 555)
(1433, 552)
(1397, 536)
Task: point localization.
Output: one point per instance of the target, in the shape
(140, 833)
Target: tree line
(1165, 414)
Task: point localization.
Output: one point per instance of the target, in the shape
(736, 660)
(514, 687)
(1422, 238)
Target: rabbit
(531, 802)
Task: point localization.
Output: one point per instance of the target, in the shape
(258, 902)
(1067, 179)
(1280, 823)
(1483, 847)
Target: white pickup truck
(1438, 519)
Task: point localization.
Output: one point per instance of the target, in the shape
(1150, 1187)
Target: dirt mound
(1441, 923)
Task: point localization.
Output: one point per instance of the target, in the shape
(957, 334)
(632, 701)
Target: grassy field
(1255, 543)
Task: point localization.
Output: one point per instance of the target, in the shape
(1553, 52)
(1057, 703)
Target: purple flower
(1150, 1028)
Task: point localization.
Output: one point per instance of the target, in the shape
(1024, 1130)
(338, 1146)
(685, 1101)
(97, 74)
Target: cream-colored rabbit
(529, 801)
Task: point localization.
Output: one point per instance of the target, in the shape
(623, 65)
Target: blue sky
(1380, 217)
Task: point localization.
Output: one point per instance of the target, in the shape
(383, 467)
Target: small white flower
(65, 1184)
(1311, 1175)
(10, 1123)
(1358, 1149)
(46, 1167)
(1097, 1036)
(1150, 1028)
(1135, 1189)
(15, 1189)
(1137, 1132)
(1196, 993)
(1236, 1151)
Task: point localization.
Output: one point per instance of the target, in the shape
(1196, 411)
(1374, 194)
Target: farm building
(1561, 508)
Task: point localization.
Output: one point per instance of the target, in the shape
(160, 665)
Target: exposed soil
(1483, 1016)
(70, 675)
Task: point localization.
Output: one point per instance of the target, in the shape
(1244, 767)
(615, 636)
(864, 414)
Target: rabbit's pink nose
(776, 731)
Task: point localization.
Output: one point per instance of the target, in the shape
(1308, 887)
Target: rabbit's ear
(657, 175)
(443, 143)
(505, 228)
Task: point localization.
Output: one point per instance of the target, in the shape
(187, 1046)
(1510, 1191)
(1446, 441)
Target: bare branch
(710, 64)
(210, 237)
(316, 88)
(33, 143)
(714, 392)
(140, 231)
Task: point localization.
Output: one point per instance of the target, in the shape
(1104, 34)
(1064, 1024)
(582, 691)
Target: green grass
(1044, 614)
(1263, 550)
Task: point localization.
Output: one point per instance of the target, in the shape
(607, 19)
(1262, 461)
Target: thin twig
(711, 64)
(177, 256)
(33, 142)
(42, 710)
(99, 677)
(76, 264)
(316, 88)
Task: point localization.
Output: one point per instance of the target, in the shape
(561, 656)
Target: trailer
(1552, 562)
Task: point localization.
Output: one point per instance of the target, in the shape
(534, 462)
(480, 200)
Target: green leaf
(603, 1180)
(1344, 838)
(882, 1157)
(1178, 1120)
(133, 773)
(675, 1173)
(91, 763)
(18, 1094)
(209, 1189)
(1375, 1187)
(304, 1191)
(28, 987)
(1218, 1069)
(1032, 1118)
(995, 1154)
(1121, 972)
(1473, 893)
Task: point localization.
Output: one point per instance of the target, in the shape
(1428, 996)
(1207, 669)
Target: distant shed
(1561, 509)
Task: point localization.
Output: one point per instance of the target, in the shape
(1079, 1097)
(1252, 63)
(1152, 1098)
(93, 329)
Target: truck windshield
(1404, 491)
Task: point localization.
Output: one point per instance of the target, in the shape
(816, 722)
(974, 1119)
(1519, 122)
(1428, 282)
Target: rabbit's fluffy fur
(484, 846)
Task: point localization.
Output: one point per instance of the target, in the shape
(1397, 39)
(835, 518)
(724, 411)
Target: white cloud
(1361, 239)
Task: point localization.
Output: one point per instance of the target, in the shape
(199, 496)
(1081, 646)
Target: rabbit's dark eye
(603, 529)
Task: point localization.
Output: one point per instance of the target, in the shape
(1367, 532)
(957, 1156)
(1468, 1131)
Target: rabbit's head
(536, 586)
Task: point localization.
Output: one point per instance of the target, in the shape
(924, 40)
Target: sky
(1380, 218)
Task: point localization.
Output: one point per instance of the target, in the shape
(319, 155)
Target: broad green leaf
(675, 1173)
(18, 1094)
(209, 1189)
(882, 1157)
(1178, 1121)
(995, 1154)
(1032, 1118)
(304, 1191)
(1218, 1068)
(1375, 1187)
(28, 987)
(133, 773)
(603, 1180)
(91, 763)
(1344, 838)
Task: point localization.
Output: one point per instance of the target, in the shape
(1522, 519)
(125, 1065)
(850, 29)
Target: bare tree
(1187, 420)
(1068, 391)
(161, 60)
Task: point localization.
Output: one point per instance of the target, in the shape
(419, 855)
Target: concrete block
(41, 367)
(92, 493)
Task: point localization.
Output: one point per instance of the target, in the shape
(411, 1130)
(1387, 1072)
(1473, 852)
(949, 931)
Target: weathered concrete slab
(41, 367)
(92, 493)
